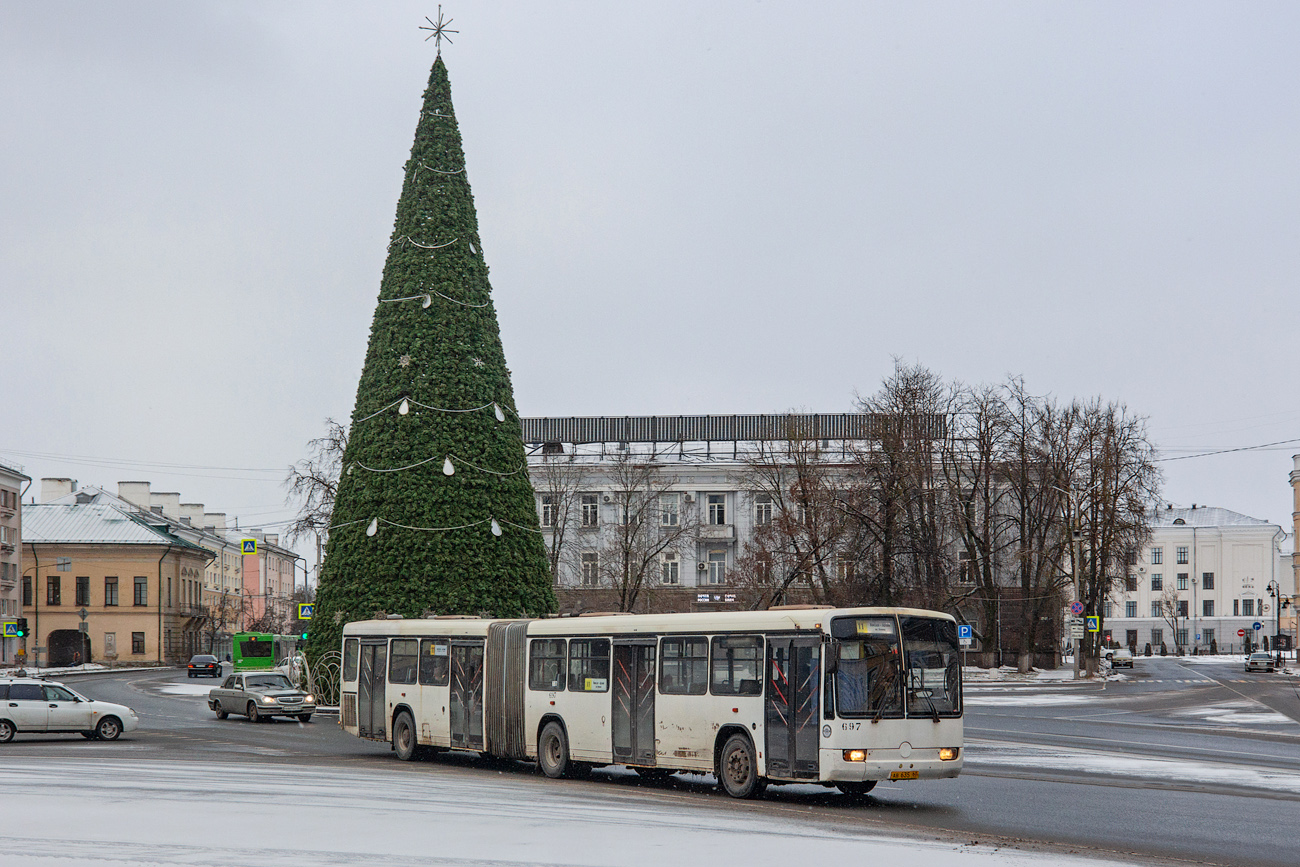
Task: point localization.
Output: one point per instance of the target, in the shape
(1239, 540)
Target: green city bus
(258, 651)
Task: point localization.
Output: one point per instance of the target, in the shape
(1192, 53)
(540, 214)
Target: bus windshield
(869, 679)
(933, 667)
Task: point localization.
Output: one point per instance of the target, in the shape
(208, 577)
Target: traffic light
(22, 627)
(304, 635)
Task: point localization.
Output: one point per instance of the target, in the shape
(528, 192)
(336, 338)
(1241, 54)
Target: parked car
(1259, 661)
(204, 663)
(260, 696)
(31, 705)
(1120, 657)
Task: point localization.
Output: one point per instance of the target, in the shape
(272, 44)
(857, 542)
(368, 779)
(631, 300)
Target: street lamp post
(1275, 591)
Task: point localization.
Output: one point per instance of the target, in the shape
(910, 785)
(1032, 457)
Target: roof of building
(1205, 516)
(11, 471)
(94, 524)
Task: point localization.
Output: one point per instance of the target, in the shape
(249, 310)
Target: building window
(1207, 580)
(1207, 608)
(27, 592)
(590, 510)
(137, 642)
(590, 569)
(1180, 637)
(1131, 583)
(1181, 554)
(717, 573)
(1236, 608)
(53, 592)
(670, 569)
(1182, 580)
(1105, 610)
(1130, 637)
(762, 509)
(717, 509)
(64, 564)
(548, 510)
(110, 590)
(1157, 637)
(83, 590)
(1207, 635)
(1132, 558)
(141, 590)
(965, 574)
(1156, 609)
(1157, 581)
(1130, 609)
(1248, 608)
(669, 510)
(1182, 609)
(1157, 556)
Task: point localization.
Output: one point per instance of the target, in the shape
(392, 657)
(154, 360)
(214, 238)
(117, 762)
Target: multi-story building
(135, 582)
(242, 586)
(11, 554)
(1204, 580)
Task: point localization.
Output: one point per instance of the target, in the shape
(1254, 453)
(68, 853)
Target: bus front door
(633, 717)
(467, 695)
(372, 720)
(793, 712)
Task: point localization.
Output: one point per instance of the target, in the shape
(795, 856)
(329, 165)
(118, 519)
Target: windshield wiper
(888, 681)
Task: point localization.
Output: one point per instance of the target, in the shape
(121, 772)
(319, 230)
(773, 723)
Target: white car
(31, 705)
(1120, 657)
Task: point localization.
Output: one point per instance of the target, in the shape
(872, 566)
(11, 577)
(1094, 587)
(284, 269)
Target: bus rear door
(633, 697)
(793, 708)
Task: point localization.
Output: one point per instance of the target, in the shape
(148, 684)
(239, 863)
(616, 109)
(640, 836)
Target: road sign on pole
(1094, 624)
(1257, 626)
(1076, 608)
(1241, 633)
(305, 610)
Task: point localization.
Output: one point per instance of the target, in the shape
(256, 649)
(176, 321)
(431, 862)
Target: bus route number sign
(305, 610)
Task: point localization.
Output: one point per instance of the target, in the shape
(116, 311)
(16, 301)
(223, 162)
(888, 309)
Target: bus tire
(737, 769)
(405, 744)
(856, 790)
(553, 751)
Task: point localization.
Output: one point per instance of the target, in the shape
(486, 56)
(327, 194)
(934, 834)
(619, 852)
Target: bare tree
(1172, 611)
(221, 616)
(558, 480)
(803, 535)
(649, 524)
(313, 482)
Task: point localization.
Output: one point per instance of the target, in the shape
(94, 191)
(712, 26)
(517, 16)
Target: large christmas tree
(434, 510)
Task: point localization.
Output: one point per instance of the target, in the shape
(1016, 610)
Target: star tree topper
(438, 30)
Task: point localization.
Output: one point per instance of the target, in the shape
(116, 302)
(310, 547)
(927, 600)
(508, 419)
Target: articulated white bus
(843, 697)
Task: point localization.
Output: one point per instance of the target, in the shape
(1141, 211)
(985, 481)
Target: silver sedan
(260, 696)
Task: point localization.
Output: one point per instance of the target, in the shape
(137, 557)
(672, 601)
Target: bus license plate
(905, 775)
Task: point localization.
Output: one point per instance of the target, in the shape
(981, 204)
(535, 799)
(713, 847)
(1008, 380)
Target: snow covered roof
(91, 523)
(1204, 516)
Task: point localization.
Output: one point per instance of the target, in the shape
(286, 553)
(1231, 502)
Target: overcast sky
(722, 207)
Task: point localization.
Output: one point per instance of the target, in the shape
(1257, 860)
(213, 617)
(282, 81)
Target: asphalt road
(1174, 761)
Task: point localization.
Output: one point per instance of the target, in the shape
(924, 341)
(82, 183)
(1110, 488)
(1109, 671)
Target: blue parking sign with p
(964, 631)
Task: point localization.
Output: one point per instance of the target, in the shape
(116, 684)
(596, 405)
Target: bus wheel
(737, 770)
(404, 737)
(856, 790)
(553, 751)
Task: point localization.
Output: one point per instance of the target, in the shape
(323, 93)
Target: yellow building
(140, 587)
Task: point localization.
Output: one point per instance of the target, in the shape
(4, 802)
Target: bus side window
(736, 665)
(402, 660)
(684, 666)
(351, 650)
(546, 664)
(589, 665)
(434, 669)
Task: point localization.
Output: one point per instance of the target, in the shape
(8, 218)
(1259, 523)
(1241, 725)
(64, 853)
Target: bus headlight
(855, 755)
(948, 754)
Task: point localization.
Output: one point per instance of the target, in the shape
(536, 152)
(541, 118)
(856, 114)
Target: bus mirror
(832, 659)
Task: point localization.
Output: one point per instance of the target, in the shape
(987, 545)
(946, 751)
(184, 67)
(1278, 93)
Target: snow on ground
(1020, 699)
(1236, 713)
(161, 813)
(188, 688)
(1134, 767)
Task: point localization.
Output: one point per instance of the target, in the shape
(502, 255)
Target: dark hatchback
(204, 664)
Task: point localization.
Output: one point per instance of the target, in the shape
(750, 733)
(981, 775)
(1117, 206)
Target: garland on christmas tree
(411, 533)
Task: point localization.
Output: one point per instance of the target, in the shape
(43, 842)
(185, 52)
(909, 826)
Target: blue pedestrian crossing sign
(305, 610)
(1094, 623)
(248, 546)
(11, 629)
